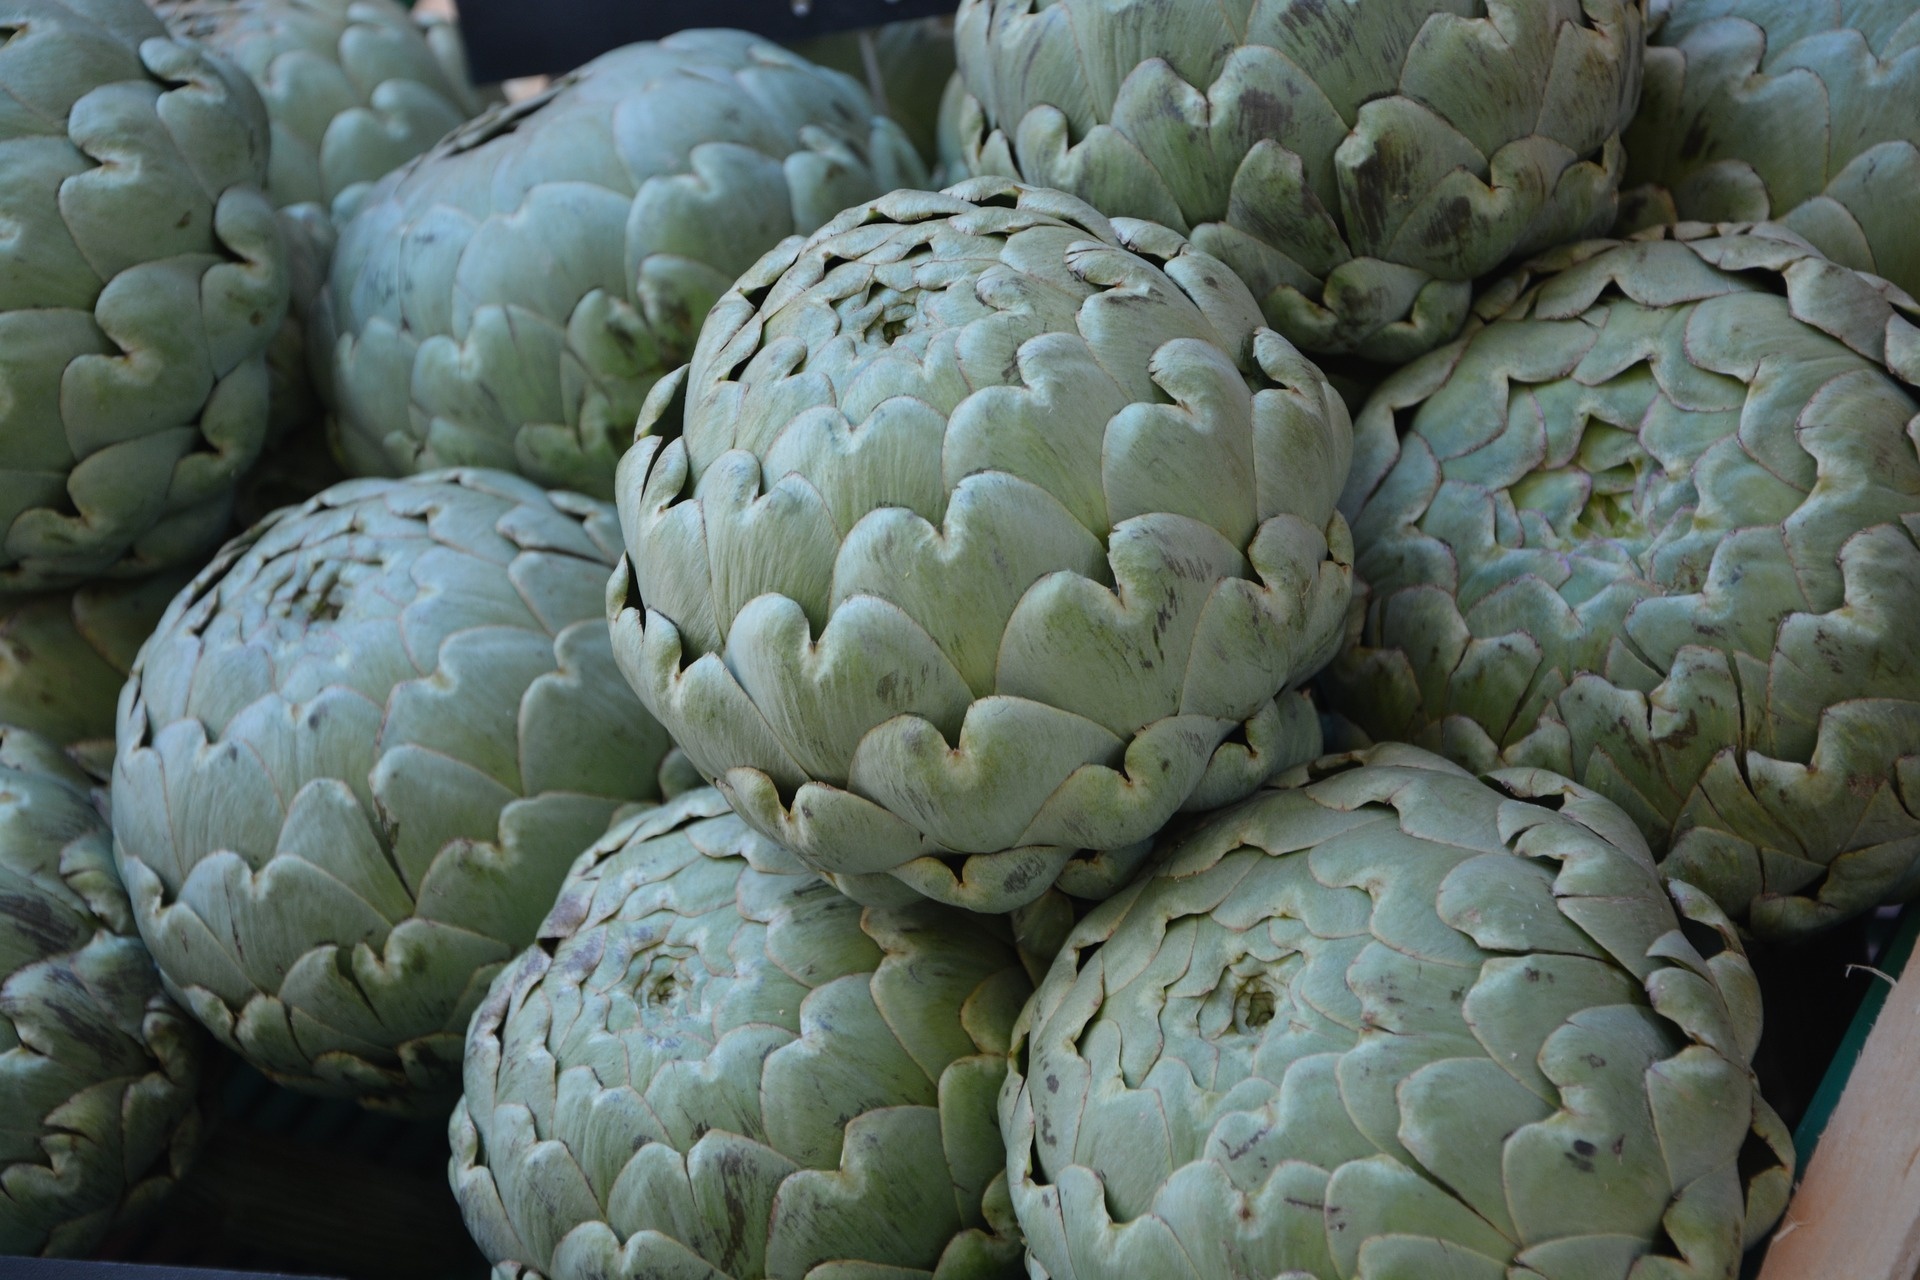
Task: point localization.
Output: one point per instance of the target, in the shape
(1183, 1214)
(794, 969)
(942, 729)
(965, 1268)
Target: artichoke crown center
(659, 982)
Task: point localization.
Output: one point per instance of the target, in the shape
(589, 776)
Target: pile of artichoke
(1108, 639)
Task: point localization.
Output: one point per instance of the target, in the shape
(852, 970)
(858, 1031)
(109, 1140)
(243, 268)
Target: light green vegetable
(714, 1066)
(981, 536)
(141, 277)
(1396, 1022)
(356, 760)
(98, 1069)
(353, 89)
(1657, 527)
(508, 299)
(1804, 111)
(1359, 162)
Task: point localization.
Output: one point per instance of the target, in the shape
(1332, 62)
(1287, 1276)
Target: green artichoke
(1804, 111)
(981, 536)
(65, 654)
(98, 1069)
(1396, 1023)
(1657, 527)
(356, 760)
(1358, 162)
(354, 89)
(714, 1068)
(141, 278)
(508, 299)
(905, 66)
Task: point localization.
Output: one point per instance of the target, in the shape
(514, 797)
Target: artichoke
(714, 1066)
(141, 278)
(354, 89)
(1657, 527)
(1396, 1022)
(508, 299)
(1359, 163)
(982, 535)
(905, 65)
(98, 1069)
(65, 654)
(355, 762)
(1804, 111)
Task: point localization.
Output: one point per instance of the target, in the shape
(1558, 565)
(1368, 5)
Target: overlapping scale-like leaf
(508, 299)
(1358, 164)
(1392, 1019)
(1653, 527)
(712, 1064)
(355, 761)
(99, 1070)
(982, 534)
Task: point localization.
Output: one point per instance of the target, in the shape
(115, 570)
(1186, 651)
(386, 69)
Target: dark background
(509, 38)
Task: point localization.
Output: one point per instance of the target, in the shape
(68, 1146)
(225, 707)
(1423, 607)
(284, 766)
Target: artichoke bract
(65, 654)
(141, 279)
(1359, 163)
(981, 536)
(713, 1065)
(508, 299)
(98, 1069)
(1396, 1021)
(355, 762)
(1803, 111)
(1657, 527)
